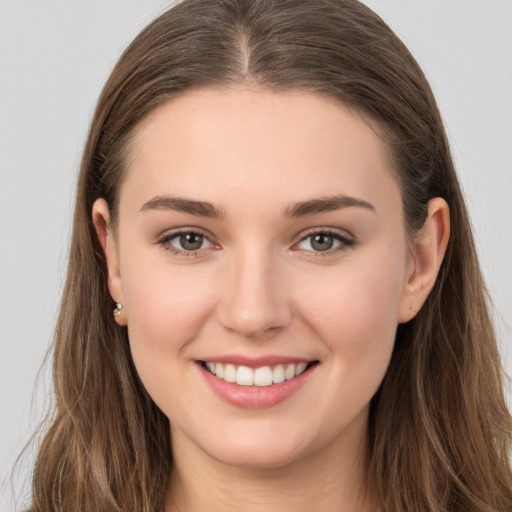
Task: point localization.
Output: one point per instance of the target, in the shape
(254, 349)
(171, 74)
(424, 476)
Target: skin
(257, 286)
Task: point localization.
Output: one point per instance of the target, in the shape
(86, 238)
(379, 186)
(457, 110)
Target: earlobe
(101, 220)
(427, 253)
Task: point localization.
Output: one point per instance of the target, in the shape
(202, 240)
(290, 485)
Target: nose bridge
(254, 301)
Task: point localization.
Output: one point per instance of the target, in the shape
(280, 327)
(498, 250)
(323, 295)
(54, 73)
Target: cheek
(354, 310)
(159, 293)
(166, 309)
(356, 301)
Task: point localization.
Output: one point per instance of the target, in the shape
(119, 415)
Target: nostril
(256, 322)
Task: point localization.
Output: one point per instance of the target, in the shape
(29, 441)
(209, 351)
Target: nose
(254, 303)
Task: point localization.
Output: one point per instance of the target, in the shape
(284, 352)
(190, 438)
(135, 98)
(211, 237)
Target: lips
(256, 383)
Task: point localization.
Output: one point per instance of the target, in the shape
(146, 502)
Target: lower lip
(255, 397)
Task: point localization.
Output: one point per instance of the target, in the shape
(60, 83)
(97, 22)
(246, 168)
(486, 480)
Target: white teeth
(263, 376)
(244, 376)
(278, 374)
(300, 368)
(230, 373)
(289, 373)
(219, 370)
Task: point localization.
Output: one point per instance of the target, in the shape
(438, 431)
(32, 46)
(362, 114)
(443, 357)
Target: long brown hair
(439, 429)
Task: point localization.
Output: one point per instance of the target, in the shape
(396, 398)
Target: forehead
(238, 142)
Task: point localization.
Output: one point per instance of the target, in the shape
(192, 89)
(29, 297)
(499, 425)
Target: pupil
(322, 242)
(191, 241)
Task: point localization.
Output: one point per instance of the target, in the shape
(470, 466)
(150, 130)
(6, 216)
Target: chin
(256, 457)
(261, 446)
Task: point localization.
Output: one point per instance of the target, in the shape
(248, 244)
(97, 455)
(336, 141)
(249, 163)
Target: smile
(262, 376)
(256, 383)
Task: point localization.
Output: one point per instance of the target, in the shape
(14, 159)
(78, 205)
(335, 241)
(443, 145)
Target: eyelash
(345, 242)
(165, 242)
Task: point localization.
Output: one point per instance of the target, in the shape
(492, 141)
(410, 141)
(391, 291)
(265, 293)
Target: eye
(324, 241)
(186, 242)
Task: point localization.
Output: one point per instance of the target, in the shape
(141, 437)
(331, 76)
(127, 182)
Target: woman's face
(259, 233)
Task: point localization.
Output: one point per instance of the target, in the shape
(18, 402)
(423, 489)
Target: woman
(272, 281)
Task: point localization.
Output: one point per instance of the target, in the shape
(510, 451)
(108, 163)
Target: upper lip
(255, 362)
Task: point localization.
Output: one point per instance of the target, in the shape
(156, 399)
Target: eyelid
(165, 238)
(346, 240)
(330, 230)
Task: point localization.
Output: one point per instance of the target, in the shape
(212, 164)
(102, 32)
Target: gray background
(54, 58)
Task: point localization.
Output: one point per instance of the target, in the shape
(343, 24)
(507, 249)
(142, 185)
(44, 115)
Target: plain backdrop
(54, 59)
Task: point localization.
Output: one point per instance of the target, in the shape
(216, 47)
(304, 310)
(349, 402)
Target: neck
(331, 479)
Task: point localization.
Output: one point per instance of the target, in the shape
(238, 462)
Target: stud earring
(118, 311)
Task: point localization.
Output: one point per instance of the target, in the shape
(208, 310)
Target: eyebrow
(325, 204)
(181, 204)
(301, 209)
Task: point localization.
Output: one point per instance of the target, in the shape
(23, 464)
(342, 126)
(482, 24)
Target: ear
(427, 253)
(101, 220)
